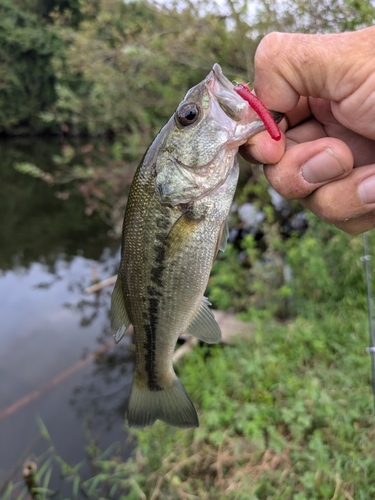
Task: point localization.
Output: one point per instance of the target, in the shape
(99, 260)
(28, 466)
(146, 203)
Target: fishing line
(370, 304)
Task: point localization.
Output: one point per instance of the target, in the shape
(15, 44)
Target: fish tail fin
(171, 405)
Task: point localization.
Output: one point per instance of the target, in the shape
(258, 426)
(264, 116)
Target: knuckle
(287, 185)
(266, 48)
(322, 205)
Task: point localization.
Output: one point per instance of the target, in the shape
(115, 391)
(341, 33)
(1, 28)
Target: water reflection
(57, 357)
(104, 392)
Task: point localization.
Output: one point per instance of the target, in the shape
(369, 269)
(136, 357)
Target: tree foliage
(83, 66)
(316, 16)
(129, 64)
(27, 78)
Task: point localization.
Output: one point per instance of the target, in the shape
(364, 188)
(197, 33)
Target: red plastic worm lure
(244, 91)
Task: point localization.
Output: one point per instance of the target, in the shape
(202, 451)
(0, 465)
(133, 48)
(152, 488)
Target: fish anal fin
(120, 321)
(171, 405)
(204, 325)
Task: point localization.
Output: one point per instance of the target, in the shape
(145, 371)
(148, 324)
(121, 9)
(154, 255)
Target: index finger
(290, 65)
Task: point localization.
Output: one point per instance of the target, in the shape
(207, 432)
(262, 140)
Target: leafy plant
(27, 79)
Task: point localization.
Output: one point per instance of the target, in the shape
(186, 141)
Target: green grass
(285, 414)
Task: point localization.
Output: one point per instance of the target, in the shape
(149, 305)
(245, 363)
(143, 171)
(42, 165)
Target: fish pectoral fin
(120, 321)
(179, 235)
(204, 325)
(223, 237)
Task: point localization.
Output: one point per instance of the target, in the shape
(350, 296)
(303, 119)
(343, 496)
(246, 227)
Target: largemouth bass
(175, 223)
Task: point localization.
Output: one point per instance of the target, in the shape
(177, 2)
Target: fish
(174, 226)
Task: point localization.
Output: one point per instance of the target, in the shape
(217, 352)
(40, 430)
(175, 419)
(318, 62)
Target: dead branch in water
(102, 284)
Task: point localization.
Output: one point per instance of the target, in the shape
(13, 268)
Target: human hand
(326, 86)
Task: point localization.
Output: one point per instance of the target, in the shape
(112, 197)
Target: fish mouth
(227, 85)
(221, 78)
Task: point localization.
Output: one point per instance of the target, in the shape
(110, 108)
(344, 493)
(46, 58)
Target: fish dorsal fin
(204, 325)
(223, 237)
(120, 321)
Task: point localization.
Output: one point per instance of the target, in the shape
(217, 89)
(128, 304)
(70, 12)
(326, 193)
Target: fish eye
(187, 114)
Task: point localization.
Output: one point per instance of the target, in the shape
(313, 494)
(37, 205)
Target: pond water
(58, 362)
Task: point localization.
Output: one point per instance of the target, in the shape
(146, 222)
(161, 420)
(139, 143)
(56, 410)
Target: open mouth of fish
(221, 78)
(223, 81)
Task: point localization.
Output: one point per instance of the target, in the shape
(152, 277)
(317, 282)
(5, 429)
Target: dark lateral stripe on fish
(155, 292)
(150, 343)
(156, 276)
(150, 347)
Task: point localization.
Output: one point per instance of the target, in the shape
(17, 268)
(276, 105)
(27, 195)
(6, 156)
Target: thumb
(328, 66)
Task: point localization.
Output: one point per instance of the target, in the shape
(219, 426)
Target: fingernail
(366, 190)
(322, 167)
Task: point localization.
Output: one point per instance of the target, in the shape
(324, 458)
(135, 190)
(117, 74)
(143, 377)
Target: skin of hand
(325, 85)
